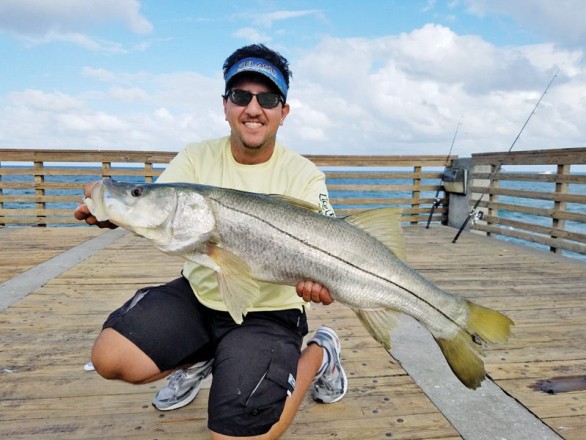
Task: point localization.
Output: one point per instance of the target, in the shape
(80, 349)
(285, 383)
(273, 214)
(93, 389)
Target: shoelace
(177, 378)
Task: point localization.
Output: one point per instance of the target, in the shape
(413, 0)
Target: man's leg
(159, 329)
(320, 360)
(115, 357)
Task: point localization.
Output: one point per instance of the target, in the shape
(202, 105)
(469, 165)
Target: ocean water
(344, 194)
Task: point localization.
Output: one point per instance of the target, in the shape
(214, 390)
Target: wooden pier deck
(46, 338)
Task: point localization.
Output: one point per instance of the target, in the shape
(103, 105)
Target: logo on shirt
(325, 207)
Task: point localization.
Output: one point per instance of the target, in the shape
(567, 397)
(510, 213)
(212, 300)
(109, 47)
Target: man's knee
(116, 357)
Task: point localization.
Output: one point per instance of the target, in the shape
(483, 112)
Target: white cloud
(409, 91)
(267, 19)
(162, 112)
(131, 94)
(99, 74)
(562, 20)
(71, 21)
(251, 35)
(40, 17)
(46, 102)
(399, 94)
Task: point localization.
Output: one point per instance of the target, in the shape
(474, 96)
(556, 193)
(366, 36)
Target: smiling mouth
(253, 124)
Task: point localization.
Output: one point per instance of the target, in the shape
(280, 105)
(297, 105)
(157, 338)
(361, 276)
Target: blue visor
(263, 67)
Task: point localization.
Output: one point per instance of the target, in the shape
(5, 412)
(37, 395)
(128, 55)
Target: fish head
(175, 217)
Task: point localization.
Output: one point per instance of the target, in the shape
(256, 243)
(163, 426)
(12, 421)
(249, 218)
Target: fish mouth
(106, 199)
(97, 202)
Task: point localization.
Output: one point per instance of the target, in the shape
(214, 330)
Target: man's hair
(260, 51)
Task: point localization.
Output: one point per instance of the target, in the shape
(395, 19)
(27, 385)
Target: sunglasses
(243, 98)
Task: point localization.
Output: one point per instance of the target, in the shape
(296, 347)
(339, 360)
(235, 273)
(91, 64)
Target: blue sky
(375, 77)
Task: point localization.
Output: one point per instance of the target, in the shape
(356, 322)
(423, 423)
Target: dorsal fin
(295, 202)
(384, 224)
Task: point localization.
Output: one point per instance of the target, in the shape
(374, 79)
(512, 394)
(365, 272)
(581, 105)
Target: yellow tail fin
(489, 325)
(462, 352)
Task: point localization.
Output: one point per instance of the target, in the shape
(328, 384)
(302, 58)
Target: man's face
(252, 126)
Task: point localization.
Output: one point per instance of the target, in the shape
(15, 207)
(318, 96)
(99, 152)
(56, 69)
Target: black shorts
(255, 363)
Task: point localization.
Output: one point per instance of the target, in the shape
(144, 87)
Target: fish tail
(489, 325)
(462, 356)
(462, 351)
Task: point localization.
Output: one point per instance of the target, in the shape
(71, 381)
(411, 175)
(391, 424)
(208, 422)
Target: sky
(369, 77)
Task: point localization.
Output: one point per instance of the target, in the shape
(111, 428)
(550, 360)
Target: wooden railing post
(559, 204)
(492, 198)
(148, 167)
(106, 167)
(1, 200)
(416, 193)
(39, 179)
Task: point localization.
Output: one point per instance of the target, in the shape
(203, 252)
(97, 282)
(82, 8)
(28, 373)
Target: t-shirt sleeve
(316, 193)
(180, 169)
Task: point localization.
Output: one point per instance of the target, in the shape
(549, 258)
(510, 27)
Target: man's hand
(82, 212)
(311, 291)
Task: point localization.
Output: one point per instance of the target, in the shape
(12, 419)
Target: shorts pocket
(277, 382)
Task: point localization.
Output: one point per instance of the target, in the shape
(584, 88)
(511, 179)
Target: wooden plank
(79, 171)
(379, 160)
(534, 157)
(22, 250)
(45, 198)
(546, 241)
(373, 175)
(380, 201)
(551, 231)
(560, 197)
(68, 156)
(357, 187)
(530, 177)
(543, 212)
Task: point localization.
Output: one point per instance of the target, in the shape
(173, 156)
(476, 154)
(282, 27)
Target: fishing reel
(477, 216)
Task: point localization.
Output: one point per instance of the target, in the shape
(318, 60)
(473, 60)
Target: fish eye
(136, 192)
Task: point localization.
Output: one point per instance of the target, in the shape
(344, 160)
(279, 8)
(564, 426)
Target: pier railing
(538, 196)
(42, 187)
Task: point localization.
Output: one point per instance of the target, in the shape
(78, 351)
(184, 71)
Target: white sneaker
(331, 383)
(183, 386)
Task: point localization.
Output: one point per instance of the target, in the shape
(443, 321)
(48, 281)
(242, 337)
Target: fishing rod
(492, 176)
(436, 199)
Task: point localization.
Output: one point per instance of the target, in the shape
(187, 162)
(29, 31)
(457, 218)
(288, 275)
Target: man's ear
(284, 112)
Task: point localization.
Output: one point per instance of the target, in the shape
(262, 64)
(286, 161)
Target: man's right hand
(82, 212)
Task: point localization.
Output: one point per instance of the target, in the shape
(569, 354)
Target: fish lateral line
(348, 263)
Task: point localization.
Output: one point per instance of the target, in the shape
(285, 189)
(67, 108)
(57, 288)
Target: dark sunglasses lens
(268, 99)
(240, 97)
(243, 98)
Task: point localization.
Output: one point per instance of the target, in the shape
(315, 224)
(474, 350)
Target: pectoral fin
(237, 287)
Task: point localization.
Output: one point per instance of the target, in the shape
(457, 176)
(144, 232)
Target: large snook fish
(247, 237)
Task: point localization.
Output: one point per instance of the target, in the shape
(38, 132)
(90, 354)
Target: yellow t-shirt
(286, 172)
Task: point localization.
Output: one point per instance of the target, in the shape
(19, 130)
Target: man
(259, 374)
